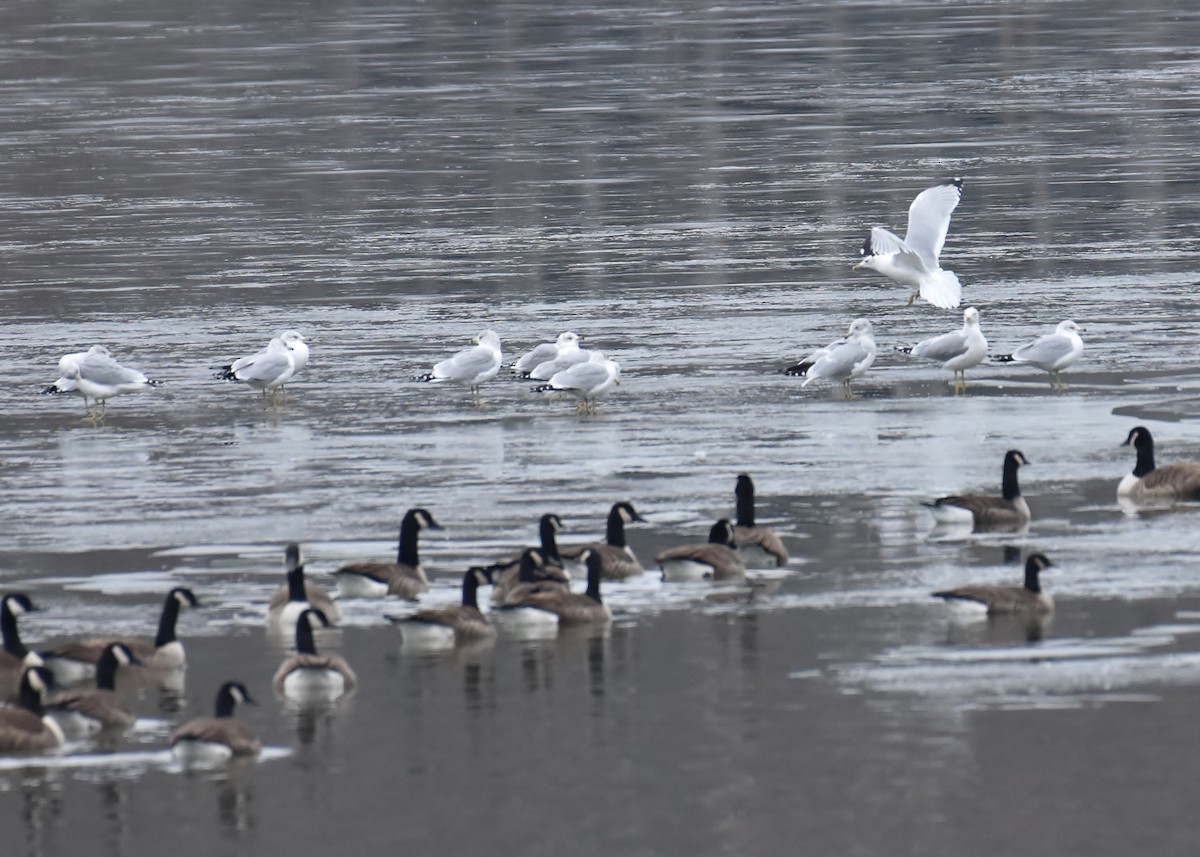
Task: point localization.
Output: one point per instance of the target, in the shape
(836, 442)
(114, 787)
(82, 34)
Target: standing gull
(957, 351)
(1051, 353)
(546, 351)
(841, 360)
(471, 367)
(268, 370)
(586, 381)
(66, 383)
(293, 340)
(914, 261)
(568, 354)
(99, 378)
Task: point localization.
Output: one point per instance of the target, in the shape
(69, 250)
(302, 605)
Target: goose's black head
(17, 603)
(626, 512)
(721, 533)
(292, 557)
(1139, 436)
(551, 522)
(423, 519)
(1017, 457)
(184, 596)
(1035, 563)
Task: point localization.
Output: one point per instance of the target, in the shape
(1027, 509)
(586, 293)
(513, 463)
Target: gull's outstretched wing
(929, 220)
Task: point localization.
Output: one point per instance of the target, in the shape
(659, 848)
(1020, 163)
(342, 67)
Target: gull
(99, 378)
(568, 354)
(1051, 353)
(841, 360)
(471, 367)
(586, 381)
(294, 342)
(541, 353)
(268, 370)
(957, 351)
(914, 260)
(66, 384)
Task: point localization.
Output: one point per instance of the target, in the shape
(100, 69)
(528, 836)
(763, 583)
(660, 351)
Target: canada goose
(1051, 353)
(985, 512)
(956, 351)
(1148, 484)
(298, 594)
(84, 712)
(841, 360)
(443, 627)
(714, 560)
(758, 547)
(472, 367)
(16, 656)
(1008, 599)
(405, 577)
(75, 662)
(574, 608)
(914, 261)
(587, 381)
(616, 558)
(307, 676)
(509, 576)
(209, 741)
(25, 727)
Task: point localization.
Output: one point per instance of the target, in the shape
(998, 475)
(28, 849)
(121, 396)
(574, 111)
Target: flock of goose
(528, 592)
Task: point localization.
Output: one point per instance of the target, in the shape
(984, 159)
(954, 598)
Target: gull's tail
(942, 289)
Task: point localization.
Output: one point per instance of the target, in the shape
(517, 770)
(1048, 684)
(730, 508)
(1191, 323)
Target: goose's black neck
(106, 670)
(469, 585)
(1145, 454)
(226, 702)
(30, 698)
(595, 571)
(745, 501)
(549, 542)
(305, 642)
(12, 637)
(1009, 488)
(168, 618)
(528, 571)
(1033, 582)
(410, 532)
(295, 581)
(616, 529)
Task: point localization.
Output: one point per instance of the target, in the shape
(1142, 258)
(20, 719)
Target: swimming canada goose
(1148, 484)
(405, 577)
(1008, 599)
(758, 547)
(985, 512)
(1051, 353)
(443, 627)
(956, 351)
(307, 676)
(209, 741)
(25, 727)
(571, 608)
(298, 594)
(616, 558)
(16, 656)
(509, 575)
(74, 662)
(714, 560)
(914, 261)
(85, 712)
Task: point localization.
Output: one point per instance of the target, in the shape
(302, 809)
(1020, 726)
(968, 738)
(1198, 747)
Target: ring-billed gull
(1150, 484)
(541, 353)
(471, 367)
(268, 370)
(1009, 511)
(99, 378)
(1051, 353)
(957, 351)
(841, 360)
(914, 260)
(66, 383)
(587, 381)
(568, 354)
(292, 339)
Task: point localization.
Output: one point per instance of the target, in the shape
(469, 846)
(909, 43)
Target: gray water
(687, 187)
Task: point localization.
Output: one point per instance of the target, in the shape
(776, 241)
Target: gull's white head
(1068, 327)
(861, 327)
(489, 338)
(971, 317)
(567, 338)
(290, 337)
